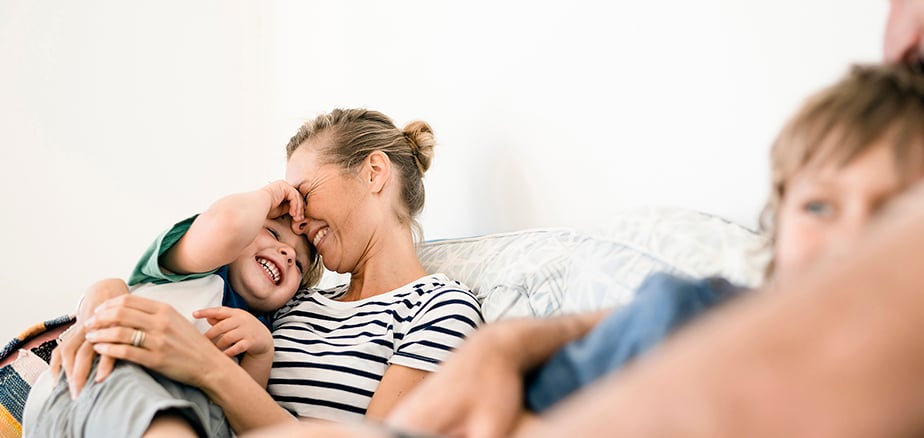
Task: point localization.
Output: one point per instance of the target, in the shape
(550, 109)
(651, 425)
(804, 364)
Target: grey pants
(123, 406)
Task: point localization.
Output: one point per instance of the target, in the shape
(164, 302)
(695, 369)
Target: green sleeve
(148, 269)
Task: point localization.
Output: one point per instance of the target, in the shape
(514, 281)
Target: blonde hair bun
(420, 137)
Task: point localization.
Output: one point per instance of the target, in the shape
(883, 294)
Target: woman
(341, 353)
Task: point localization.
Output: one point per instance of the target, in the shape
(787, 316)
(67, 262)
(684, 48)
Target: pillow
(512, 274)
(612, 263)
(544, 272)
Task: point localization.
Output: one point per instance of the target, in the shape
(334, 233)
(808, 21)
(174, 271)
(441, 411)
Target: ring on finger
(138, 338)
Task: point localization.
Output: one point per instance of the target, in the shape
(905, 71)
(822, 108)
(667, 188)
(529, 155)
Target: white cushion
(545, 272)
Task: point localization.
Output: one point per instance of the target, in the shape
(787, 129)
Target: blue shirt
(662, 304)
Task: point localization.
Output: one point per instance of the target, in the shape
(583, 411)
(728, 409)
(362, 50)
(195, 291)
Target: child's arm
(236, 331)
(98, 293)
(220, 233)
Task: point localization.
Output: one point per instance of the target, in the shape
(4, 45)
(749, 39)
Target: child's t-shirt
(185, 292)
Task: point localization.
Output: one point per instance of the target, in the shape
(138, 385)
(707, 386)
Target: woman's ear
(378, 171)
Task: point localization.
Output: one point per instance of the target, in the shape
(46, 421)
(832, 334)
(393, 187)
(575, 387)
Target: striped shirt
(330, 355)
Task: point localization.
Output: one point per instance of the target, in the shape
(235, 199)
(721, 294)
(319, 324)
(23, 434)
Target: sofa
(530, 273)
(544, 272)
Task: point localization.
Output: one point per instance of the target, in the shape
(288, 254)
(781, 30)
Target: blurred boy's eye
(298, 265)
(818, 208)
(273, 232)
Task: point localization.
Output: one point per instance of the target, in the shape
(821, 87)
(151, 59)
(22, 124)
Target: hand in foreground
(154, 335)
(321, 429)
(477, 393)
(904, 31)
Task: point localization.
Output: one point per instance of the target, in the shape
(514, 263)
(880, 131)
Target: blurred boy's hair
(871, 104)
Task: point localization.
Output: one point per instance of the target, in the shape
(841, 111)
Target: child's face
(270, 269)
(824, 208)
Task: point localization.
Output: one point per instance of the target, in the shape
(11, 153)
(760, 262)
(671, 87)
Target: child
(241, 253)
(846, 153)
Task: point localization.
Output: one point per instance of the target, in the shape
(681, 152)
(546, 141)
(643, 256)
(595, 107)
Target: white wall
(118, 118)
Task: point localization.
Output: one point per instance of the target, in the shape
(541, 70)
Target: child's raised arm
(220, 233)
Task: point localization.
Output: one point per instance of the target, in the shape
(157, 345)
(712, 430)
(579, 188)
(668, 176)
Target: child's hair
(871, 104)
(314, 270)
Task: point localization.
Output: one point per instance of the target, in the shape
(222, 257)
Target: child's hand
(285, 199)
(236, 331)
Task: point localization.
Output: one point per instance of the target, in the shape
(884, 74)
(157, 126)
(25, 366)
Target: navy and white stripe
(331, 355)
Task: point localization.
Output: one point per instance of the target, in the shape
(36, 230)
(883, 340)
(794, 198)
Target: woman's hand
(170, 344)
(74, 354)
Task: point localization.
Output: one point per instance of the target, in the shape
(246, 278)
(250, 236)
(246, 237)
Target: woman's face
(340, 218)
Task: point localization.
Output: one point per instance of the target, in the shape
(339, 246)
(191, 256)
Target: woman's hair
(353, 134)
(871, 104)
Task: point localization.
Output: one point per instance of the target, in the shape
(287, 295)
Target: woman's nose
(300, 227)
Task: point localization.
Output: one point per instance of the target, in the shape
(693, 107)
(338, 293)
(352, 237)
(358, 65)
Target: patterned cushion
(512, 274)
(554, 271)
(547, 272)
(613, 262)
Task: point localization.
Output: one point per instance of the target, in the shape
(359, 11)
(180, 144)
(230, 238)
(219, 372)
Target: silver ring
(137, 338)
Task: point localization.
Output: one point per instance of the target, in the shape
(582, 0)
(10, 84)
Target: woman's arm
(397, 382)
(246, 404)
(173, 347)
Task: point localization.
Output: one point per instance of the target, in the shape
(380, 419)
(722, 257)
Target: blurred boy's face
(825, 208)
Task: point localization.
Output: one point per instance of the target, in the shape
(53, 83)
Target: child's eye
(818, 208)
(273, 232)
(298, 265)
